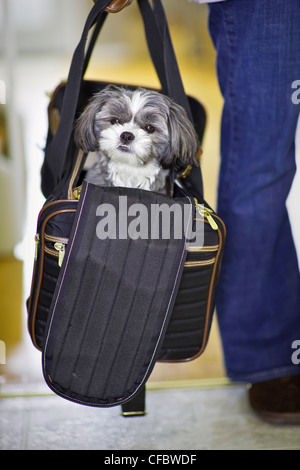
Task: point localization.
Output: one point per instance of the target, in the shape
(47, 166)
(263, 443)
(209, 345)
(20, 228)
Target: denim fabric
(258, 306)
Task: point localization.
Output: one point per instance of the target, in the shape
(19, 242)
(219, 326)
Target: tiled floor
(190, 414)
(178, 419)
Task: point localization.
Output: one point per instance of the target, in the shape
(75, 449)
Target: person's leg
(258, 59)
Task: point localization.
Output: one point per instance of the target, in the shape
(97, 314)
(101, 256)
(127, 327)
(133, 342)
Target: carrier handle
(164, 59)
(57, 150)
(154, 40)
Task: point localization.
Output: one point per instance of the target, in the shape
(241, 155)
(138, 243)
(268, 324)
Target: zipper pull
(77, 192)
(37, 242)
(206, 213)
(60, 247)
(211, 221)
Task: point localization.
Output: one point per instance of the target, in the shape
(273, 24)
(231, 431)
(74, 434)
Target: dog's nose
(127, 137)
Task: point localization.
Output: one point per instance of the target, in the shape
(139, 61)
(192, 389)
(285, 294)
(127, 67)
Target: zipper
(206, 213)
(60, 247)
(58, 252)
(54, 239)
(203, 249)
(203, 262)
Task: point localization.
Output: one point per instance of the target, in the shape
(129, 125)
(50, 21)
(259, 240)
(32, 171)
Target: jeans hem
(264, 375)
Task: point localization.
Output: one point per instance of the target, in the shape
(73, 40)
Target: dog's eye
(150, 129)
(115, 121)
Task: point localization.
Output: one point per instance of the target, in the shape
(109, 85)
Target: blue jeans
(258, 305)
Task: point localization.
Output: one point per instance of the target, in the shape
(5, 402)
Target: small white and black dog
(137, 136)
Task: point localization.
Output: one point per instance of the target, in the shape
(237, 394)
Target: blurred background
(37, 39)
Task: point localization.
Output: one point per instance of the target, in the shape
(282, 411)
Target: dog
(138, 136)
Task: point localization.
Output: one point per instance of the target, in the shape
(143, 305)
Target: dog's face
(136, 127)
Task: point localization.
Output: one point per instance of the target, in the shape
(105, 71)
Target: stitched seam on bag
(104, 327)
(165, 317)
(66, 332)
(166, 314)
(147, 316)
(128, 312)
(161, 331)
(113, 362)
(64, 341)
(63, 276)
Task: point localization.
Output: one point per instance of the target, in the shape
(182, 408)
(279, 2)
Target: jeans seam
(232, 100)
(231, 97)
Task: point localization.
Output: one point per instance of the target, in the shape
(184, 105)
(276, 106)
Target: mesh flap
(116, 290)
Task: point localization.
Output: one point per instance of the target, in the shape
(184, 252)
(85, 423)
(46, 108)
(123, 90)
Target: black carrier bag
(103, 311)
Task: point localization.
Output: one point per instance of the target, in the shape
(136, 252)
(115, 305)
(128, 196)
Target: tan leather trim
(57, 201)
(74, 174)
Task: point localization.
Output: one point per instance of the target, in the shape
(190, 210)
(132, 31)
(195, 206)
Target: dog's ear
(87, 129)
(184, 142)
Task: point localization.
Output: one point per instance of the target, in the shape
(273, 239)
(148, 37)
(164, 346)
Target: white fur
(139, 148)
(148, 177)
(136, 102)
(135, 162)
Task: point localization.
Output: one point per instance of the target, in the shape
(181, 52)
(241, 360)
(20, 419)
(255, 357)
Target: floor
(190, 406)
(194, 419)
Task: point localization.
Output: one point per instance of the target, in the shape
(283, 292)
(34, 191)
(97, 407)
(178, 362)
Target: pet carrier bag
(102, 310)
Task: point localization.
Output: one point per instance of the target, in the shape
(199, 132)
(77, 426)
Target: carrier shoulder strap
(163, 56)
